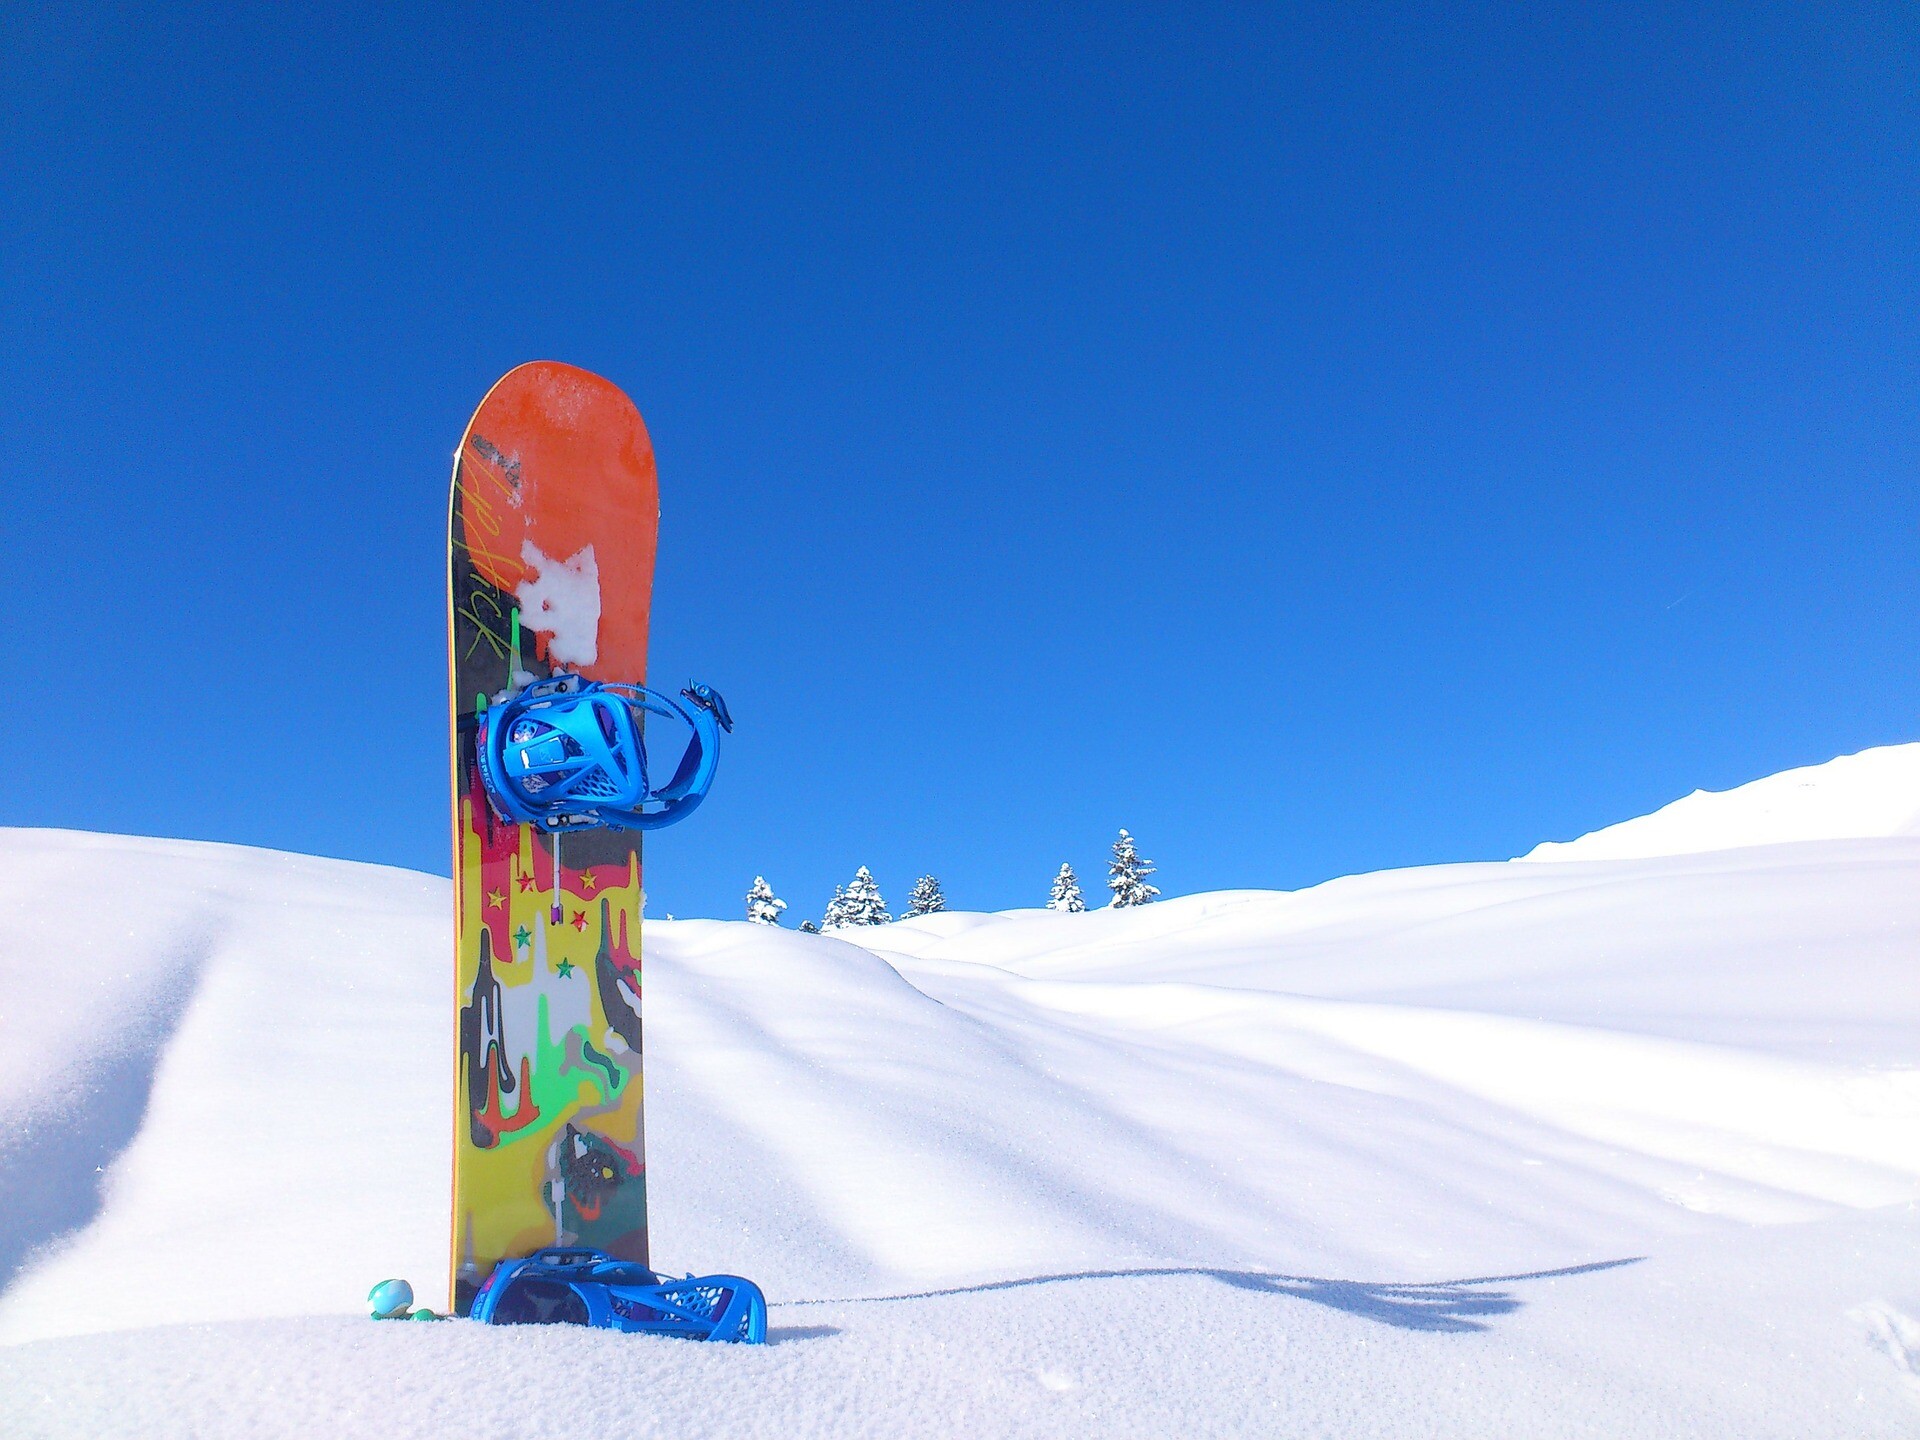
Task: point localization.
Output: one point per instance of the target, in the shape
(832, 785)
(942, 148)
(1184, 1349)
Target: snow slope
(1872, 794)
(1618, 1146)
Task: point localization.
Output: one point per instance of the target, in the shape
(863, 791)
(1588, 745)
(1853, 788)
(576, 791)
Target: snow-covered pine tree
(860, 902)
(1127, 875)
(836, 911)
(762, 907)
(1066, 894)
(807, 927)
(926, 899)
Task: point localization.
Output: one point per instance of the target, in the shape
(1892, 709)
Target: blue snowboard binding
(572, 1285)
(566, 753)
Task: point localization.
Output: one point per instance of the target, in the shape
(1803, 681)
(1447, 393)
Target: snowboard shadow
(781, 1334)
(1443, 1306)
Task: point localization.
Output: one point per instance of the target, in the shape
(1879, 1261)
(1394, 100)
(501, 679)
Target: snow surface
(1872, 794)
(1618, 1146)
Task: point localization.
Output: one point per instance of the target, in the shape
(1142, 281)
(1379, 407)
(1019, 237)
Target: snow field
(1622, 1145)
(1873, 793)
(1742, 1336)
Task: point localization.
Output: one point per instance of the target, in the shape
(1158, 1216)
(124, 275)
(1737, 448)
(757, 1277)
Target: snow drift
(1873, 794)
(1628, 1144)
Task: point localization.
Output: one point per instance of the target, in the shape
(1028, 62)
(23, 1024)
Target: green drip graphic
(560, 1086)
(514, 620)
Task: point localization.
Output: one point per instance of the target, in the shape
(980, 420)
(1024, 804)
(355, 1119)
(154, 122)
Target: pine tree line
(1127, 875)
(1066, 896)
(763, 908)
(860, 902)
(926, 898)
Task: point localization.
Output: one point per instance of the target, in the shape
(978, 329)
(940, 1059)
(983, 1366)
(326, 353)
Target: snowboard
(553, 522)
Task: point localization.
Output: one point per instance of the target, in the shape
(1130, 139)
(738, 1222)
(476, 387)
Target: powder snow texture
(1616, 1147)
(1874, 793)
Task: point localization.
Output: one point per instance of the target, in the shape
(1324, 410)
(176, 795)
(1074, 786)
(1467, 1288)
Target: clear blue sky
(1315, 438)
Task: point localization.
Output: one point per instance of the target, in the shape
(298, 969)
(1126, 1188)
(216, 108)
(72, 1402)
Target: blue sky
(1315, 438)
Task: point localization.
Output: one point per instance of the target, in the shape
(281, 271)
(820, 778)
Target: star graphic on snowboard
(522, 936)
(525, 882)
(587, 882)
(495, 899)
(579, 921)
(564, 969)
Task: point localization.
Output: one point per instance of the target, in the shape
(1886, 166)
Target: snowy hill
(1624, 1147)
(1872, 794)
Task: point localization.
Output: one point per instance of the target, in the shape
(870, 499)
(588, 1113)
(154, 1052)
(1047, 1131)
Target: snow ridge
(1874, 793)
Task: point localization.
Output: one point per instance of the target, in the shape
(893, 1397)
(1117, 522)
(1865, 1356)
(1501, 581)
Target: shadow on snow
(53, 1165)
(1439, 1305)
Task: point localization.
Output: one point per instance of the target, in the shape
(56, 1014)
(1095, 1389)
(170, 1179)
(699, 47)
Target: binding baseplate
(574, 1285)
(567, 753)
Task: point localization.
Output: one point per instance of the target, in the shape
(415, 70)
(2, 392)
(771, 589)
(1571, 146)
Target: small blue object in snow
(572, 1285)
(566, 753)
(390, 1299)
